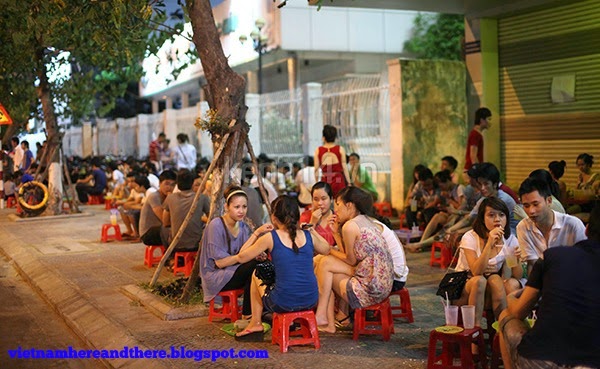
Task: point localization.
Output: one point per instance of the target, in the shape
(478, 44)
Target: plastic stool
(308, 330)
(496, 356)
(384, 324)
(405, 307)
(384, 209)
(443, 260)
(116, 236)
(108, 203)
(95, 200)
(229, 306)
(184, 262)
(11, 202)
(149, 258)
(449, 341)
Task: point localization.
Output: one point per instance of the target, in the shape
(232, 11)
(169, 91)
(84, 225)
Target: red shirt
(475, 139)
(154, 149)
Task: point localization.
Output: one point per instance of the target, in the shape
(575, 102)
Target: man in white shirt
(544, 227)
(17, 153)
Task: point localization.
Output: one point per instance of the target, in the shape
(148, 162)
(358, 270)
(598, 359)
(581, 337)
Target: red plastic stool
(95, 200)
(149, 258)
(184, 262)
(384, 324)
(384, 209)
(449, 341)
(496, 356)
(107, 237)
(108, 203)
(230, 309)
(11, 202)
(308, 330)
(444, 259)
(405, 307)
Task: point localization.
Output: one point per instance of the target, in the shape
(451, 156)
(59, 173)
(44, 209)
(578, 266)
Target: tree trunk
(227, 91)
(54, 138)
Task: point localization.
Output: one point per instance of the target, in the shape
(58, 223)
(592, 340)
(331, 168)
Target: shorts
(270, 306)
(352, 299)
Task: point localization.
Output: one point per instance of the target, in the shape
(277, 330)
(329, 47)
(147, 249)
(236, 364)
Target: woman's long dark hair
(362, 200)
(285, 209)
(545, 176)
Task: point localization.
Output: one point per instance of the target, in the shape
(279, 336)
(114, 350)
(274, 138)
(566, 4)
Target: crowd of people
(333, 253)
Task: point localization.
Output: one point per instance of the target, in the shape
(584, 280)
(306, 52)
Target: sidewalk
(80, 278)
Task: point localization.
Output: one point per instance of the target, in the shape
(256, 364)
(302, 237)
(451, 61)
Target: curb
(159, 307)
(84, 318)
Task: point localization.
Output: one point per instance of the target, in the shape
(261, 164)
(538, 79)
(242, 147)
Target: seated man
(85, 186)
(152, 210)
(360, 177)
(132, 211)
(428, 197)
(175, 209)
(544, 228)
(565, 333)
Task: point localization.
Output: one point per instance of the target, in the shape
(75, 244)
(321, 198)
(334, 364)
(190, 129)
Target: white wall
(344, 29)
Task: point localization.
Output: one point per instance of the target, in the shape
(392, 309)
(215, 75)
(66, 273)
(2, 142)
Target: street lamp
(259, 42)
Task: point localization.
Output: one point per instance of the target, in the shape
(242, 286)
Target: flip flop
(250, 336)
(322, 330)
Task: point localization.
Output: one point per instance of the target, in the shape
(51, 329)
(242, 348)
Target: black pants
(242, 278)
(152, 237)
(83, 190)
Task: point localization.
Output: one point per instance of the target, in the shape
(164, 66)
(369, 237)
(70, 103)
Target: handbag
(265, 271)
(453, 284)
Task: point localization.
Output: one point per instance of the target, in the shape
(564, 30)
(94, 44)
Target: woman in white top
(483, 251)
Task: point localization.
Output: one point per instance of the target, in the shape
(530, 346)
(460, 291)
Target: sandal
(250, 336)
(339, 324)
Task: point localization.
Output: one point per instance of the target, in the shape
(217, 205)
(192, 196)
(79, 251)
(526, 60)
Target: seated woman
(291, 249)
(453, 206)
(224, 237)
(362, 274)
(557, 170)
(482, 252)
(320, 214)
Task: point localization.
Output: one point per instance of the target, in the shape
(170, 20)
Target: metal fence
(280, 124)
(359, 109)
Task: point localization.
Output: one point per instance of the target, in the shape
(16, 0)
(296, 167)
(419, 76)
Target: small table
(406, 235)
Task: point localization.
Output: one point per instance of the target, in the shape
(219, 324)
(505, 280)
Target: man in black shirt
(567, 330)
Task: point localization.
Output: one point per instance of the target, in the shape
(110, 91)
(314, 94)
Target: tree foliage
(90, 39)
(437, 36)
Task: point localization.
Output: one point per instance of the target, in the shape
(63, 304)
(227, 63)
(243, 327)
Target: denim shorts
(270, 306)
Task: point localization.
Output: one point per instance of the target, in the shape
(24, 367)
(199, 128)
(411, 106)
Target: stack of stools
(281, 334)
(230, 309)
(405, 306)
(184, 262)
(383, 323)
(464, 340)
(149, 258)
(115, 236)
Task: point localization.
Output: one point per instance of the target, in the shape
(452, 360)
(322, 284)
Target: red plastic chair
(308, 330)
(230, 309)
(405, 306)
(449, 342)
(384, 323)
(149, 258)
(105, 237)
(184, 262)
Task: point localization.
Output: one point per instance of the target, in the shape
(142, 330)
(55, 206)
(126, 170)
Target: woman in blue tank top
(295, 287)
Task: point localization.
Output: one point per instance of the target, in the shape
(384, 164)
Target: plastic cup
(413, 205)
(451, 312)
(468, 315)
(511, 260)
(113, 219)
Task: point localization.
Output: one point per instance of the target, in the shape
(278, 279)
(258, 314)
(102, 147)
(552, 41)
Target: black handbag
(453, 284)
(265, 271)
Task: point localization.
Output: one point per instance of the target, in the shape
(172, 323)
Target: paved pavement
(81, 279)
